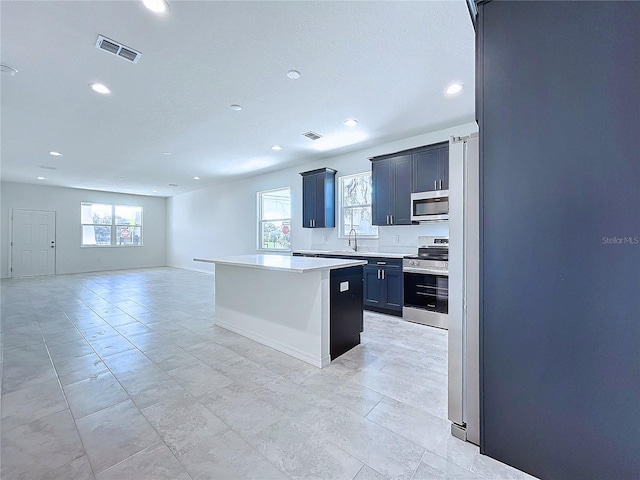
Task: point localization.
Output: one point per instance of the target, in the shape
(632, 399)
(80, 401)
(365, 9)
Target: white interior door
(33, 243)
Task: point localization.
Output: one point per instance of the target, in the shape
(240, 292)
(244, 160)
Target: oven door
(426, 291)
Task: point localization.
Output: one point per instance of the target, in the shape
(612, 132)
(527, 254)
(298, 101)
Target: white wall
(222, 220)
(70, 256)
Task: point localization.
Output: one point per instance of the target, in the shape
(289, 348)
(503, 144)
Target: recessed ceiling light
(42, 178)
(100, 88)
(277, 148)
(154, 191)
(55, 154)
(196, 178)
(293, 74)
(157, 6)
(236, 107)
(351, 122)
(454, 88)
(166, 153)
(8, 70)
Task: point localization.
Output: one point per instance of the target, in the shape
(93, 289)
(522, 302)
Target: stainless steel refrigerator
(464, 333)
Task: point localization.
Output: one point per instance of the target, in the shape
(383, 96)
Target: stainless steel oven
(426, 283)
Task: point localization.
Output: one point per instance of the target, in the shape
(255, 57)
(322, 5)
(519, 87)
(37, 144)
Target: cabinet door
(426, 170)
(394, 289)
(372, 285)
(401, 187)
(381, 191)
(318, 208)
(308, 200)
(443, 170)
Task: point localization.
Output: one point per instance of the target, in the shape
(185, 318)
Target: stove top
(432, 256)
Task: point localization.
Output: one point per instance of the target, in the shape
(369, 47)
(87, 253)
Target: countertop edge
(222, 261)
(355, 254)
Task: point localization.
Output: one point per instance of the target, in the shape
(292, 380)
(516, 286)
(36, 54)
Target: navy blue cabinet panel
(391, 183)
(401, 183)
(381, 192)
(431, 168)
(559, 228)
(318, 198)
(395, 292)
(372, 286)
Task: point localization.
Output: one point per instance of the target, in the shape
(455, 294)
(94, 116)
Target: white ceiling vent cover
(122, 51)
(312, 135)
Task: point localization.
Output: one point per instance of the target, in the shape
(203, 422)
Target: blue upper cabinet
(318, 198)
(391, 178)
(431, 168)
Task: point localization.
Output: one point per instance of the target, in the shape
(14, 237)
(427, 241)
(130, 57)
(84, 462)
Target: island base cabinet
(346, 318)
(313, 316)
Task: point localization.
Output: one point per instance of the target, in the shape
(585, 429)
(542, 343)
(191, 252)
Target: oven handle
(441, 273)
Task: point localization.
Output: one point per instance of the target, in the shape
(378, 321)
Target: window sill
(110, 246)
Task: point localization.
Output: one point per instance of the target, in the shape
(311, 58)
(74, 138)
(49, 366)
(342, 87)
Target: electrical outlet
(396, 239)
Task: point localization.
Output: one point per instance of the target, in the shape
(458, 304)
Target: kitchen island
(309, 308)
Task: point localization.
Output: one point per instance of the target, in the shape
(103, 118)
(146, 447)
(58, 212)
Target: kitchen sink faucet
(355, 239)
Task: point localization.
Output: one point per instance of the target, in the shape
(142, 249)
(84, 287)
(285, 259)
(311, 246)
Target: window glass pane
(127, 215)
(356, 190)
(276, 204)
(355, 205)
(126, 235)
(96, 235)
(358, 218)
(96, 213)
(275, 235)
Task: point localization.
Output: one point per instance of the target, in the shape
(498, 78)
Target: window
(106, 225)
(274, 219)
(354, 204)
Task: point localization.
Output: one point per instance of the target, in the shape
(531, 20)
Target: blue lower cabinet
(383, 286)
(373, 294)
(395, 291)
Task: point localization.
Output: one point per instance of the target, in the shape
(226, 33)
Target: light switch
(344, 286)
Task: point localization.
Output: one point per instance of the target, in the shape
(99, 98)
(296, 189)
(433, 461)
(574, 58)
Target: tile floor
(122, 375)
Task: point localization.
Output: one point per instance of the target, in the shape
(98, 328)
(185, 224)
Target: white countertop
(351, 253)
(283, 262)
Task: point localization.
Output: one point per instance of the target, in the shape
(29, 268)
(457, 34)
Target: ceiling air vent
(111, 46)
(312, 135)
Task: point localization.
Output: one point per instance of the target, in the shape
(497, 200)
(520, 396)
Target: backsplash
(393, 239)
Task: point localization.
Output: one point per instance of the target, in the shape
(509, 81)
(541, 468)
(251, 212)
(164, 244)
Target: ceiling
(386, 64)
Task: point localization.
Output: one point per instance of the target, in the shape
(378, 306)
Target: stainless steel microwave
(430, 206)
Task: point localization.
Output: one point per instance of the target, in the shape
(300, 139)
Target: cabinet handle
(381, 263)
(378, 274)
(387, 219)
(382, 274)
(435, 184)
(391, 219)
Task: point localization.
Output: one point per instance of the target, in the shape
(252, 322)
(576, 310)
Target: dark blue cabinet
(431, 168)
(318, 198)
(391, 178)
(372, 286)
(395, 293)
(383, 286)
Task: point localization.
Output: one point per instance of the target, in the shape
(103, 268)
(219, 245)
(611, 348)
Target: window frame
(341, 207)
(260, 221)
(113, 226)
